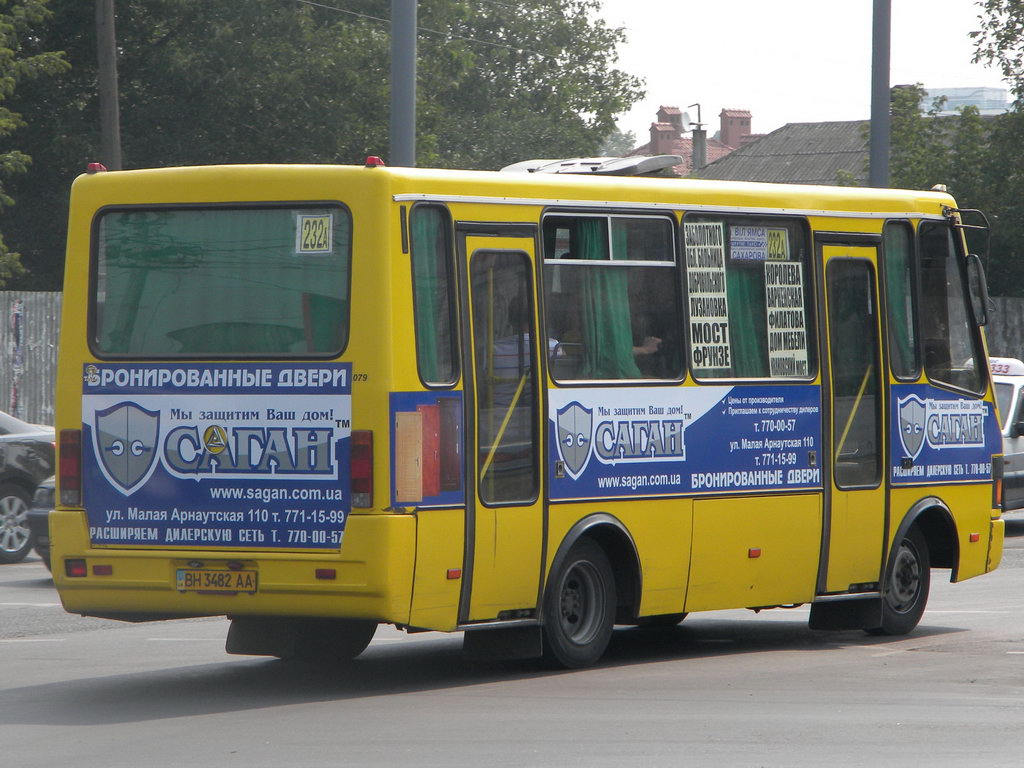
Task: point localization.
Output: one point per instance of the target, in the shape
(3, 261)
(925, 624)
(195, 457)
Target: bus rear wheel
(905, 590)
(579, 607)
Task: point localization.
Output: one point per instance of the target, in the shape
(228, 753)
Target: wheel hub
(905, 580)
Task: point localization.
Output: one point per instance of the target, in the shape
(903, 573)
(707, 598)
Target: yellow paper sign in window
(313, 233)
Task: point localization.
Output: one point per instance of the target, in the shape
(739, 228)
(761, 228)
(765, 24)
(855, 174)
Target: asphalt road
(722, 689)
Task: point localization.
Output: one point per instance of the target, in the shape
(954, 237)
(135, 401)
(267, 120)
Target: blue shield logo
(575, 437)
(912, 415)
(125, 441)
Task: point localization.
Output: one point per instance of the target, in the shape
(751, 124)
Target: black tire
(15, 535)
(332, 641)
(905, 589)
(579, 607)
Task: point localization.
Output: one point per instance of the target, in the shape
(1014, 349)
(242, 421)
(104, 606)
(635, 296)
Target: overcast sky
(787, 61)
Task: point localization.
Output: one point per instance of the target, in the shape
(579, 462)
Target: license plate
(212, 580)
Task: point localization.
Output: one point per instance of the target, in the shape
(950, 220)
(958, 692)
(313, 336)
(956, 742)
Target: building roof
(683, 146)
(796, 153)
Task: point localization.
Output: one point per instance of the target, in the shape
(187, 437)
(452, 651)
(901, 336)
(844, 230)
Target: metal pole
(878, 175)
(110, 121)
(403, 83)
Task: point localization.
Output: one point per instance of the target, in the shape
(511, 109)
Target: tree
(918, 152)
(1000, 40)
(18, 20)
(618, 143)
(218, 81)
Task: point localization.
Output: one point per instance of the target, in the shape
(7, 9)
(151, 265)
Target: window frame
(914, 286)
(92, 312)
(882, 384)
(810, 287)
(535, 404)
(608, 215)
(454, 336)
(974, 330)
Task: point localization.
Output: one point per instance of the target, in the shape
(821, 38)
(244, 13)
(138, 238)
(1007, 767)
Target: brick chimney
(673, 116)
(663, 136)
(735, 124)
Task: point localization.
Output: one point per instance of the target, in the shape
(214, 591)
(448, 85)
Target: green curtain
(430, 288)
(748, 321)
(607, 328)
(898, 299)
(216, 281)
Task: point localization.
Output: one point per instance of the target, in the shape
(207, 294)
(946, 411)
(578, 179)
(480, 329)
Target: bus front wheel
(579, 607)
(905, 590)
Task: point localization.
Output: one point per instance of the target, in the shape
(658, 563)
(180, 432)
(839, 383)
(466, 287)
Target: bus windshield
(253, 281)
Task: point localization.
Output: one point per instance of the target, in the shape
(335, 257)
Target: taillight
(70, 480)
(75, 568)
(361, 468)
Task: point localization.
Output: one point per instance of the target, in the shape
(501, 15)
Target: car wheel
(15, 536)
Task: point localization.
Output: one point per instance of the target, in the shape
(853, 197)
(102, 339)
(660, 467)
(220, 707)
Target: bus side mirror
(978, 286)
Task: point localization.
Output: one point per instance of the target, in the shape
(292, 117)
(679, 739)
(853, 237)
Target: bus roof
(220, 183)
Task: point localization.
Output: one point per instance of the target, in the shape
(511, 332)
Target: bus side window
(433, 289)
(898, 260)
(950, 352)
(612, 298)
(748, 298)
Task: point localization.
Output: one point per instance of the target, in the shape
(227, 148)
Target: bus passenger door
(504, 515)
(855, 509)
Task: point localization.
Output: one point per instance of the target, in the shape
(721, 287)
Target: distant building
(670, 137)
(798, 153)
(989, 101)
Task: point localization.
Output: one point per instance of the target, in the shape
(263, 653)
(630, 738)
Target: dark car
(26, 459)
(39, 517)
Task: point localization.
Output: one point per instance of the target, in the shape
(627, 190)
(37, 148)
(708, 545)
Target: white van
(1008, 377)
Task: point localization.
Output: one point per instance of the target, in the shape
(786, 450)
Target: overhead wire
(446, 35)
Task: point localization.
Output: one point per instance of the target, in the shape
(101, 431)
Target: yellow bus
(523, 406)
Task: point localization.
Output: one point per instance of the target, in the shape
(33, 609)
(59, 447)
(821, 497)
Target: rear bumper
(373, 576)
(995, 544)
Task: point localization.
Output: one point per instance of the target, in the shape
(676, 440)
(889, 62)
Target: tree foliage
(219, 81)
(19, 19)
(977, 160)
(1000, 40)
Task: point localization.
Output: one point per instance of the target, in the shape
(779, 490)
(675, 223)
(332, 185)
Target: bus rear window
(210, 282)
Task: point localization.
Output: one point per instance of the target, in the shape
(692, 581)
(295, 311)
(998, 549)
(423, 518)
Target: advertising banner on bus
(940, 437)
(644, 441)
(217, 455)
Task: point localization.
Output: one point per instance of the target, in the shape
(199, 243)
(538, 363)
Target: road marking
(30, 605)
(32, 640)
(181, 639)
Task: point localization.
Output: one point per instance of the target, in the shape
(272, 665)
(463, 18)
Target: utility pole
(881, 98)
(403, 83)
(110, 121)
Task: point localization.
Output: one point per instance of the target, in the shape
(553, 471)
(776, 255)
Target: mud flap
(503, 643)
(856, 613)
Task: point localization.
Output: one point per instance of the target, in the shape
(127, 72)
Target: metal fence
(30, 331)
